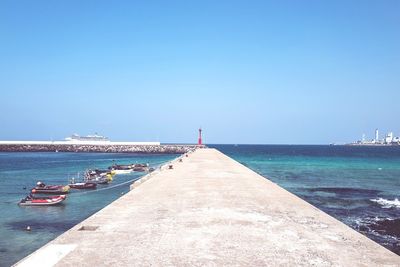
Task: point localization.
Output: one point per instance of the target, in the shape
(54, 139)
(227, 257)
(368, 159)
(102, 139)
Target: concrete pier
(210, 210)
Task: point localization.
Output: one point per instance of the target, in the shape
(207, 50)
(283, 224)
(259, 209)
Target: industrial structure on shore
(388, 140)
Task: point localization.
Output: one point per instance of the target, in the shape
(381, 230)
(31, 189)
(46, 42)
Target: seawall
(208, 209)
(104, 148)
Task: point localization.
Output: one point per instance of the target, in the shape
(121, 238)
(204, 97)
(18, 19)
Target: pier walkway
(210, 210)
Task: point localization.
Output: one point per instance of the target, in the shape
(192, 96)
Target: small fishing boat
(41, 188)
(128, 168)
(84, 185)
(98, 180)
(98, 172)
(121, 169)
(143, 165)
(42, 201)
(140, 169)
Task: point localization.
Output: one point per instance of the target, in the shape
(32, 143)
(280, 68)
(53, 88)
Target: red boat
(86, 185)
(50, 189)
(41, 188)
(42, 201)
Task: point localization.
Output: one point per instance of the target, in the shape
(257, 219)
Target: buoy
(28, 228)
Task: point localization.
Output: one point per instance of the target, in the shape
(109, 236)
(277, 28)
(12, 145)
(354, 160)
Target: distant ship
(91, 138)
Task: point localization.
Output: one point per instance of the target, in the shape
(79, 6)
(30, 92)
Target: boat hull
(47, 201)
(123, 171)
(88, 185)
(98, 180)
(52, 189)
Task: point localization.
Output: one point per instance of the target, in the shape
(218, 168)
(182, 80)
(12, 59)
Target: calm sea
(359, 186)
(20, 171)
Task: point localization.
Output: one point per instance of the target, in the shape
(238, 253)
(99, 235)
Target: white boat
(88, 138)
(42, 201)
(123, 171)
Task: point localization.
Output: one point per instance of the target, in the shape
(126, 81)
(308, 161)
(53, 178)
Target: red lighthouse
(200, 142)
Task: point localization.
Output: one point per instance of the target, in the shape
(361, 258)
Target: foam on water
(387, 204)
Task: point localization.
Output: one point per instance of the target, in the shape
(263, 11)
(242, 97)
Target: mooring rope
(106, 188)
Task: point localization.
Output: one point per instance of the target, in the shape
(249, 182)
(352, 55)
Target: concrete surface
(210, 210)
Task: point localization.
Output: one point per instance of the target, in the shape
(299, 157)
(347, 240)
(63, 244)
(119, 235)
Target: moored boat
(140, 169)
(96, 174)
(50, 189)
(123, 169)
(42, 201)
(144, 165)
(84, 185)
(98, 180)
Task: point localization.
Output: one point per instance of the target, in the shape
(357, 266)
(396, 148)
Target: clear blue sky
(305, 72)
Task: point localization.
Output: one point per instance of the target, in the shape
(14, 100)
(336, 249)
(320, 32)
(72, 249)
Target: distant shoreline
(376, 145)
(110, 147)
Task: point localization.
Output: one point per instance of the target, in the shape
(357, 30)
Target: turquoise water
(359, 186)
(20, 171)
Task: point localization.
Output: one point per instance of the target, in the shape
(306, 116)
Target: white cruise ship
(88, 138)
